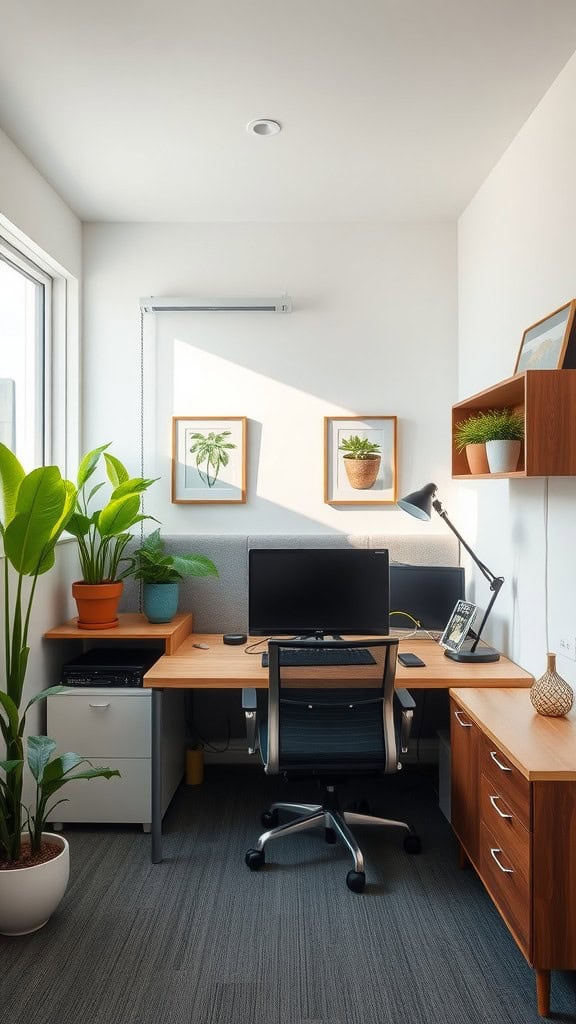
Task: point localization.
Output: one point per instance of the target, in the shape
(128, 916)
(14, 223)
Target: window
(38, 359)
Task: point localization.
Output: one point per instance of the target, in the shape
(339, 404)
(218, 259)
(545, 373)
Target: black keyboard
(322, 656)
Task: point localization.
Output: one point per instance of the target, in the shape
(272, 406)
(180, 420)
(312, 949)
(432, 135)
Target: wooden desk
(514, 812)
(229, 667)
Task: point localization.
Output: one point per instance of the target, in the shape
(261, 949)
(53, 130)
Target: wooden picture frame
(208, 460)
(549, 343)
(361, 483)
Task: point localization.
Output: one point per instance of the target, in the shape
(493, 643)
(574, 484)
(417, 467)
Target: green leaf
(40, 750)
(40, 504)
(88, 464)
(11, 476)
(115, 470)
(119, 516)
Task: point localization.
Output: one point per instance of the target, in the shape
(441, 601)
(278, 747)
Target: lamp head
(419, 503)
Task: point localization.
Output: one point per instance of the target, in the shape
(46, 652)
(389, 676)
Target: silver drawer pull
(465, 725)
(494, 850)
(501, 766)
(99, 705)
(493, 800)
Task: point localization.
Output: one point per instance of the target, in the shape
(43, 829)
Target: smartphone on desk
(410, 660)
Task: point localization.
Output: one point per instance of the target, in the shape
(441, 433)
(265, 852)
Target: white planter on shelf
(503, 455)
(29, 896)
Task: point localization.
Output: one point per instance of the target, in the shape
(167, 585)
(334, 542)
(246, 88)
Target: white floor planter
(503, 455)
(29, 896)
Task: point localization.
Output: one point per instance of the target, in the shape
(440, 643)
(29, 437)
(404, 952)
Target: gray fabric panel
(220, 605)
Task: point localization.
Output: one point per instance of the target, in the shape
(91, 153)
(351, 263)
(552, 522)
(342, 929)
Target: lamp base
(481, 654)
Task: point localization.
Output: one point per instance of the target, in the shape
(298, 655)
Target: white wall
(373, 332)
(516, 265)
(31, 209)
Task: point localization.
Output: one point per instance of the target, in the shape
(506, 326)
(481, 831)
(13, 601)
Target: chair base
(336, 825)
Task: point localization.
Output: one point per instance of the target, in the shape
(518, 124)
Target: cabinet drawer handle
(493, 800)
(99, 705)
(465, 725)
(501, 766)
(494, 850)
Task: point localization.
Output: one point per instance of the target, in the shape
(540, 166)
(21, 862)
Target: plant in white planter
(161, 574)
(35, 510)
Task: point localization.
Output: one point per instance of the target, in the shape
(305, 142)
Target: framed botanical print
(360, 460)
(208, 459)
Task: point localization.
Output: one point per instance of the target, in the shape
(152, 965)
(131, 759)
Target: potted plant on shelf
(491, 439)
(504, 430)
(362, 461)
(161, 574)
(35, 510)
(102, 536)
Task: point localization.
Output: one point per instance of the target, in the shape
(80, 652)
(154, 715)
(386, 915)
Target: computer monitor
(317, 591)
(427, 592)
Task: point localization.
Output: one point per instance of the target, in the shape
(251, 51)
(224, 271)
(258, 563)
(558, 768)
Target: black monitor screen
(301, 591)
(427, 592)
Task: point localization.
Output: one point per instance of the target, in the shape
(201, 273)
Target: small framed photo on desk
(458, 625)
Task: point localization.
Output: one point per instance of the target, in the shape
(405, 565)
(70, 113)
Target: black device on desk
(410, 660)
(428, 593)
(109, 666)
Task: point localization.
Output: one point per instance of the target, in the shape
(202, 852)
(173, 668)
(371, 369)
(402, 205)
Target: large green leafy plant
(36, 508)
(103, 533)
(154, 565)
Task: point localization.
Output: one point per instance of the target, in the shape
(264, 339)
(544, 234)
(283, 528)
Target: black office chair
(332, 716)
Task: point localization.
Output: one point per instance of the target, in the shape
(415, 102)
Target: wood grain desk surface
(228, 667)
(543, 749)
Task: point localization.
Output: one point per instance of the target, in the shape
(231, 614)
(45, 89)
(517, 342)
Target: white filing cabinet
(111, 727)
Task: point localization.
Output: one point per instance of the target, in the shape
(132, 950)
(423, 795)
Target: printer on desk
(109, 666)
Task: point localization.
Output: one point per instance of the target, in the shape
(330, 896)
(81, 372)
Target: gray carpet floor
(200, 938)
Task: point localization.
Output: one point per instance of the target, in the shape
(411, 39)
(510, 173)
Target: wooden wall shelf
(132, 626)
(547, 400)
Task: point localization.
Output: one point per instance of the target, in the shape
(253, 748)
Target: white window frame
(61, 370)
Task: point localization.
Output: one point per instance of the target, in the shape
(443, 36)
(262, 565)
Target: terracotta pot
(477, 458)
(28, 896)
(362, 473)
(97, 604)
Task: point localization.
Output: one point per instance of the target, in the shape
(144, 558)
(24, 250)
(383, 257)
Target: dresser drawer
(510, 784)
(119, 800)
(507, 885)
(504, 824)
(100, 723)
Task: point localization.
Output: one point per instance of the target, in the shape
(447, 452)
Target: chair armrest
(407, 704)
(249, 707)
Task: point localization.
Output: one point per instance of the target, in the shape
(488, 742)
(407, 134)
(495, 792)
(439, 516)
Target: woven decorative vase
(551, 695)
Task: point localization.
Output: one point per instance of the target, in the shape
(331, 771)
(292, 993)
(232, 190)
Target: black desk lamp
(420, 504)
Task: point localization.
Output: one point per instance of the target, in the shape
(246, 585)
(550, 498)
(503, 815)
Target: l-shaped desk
(221, 666)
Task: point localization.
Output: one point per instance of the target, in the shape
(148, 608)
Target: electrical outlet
(568, 647)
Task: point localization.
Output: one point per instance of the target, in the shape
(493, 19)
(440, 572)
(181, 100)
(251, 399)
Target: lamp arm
(495, 582)
(483, 568)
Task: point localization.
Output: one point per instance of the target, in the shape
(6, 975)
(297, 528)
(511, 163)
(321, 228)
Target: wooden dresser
(514, 813)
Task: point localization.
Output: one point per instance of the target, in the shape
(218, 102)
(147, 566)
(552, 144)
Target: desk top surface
(223, 666)
(543, 749)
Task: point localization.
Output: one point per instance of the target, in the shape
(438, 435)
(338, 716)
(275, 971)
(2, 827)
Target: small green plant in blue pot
(161, 574)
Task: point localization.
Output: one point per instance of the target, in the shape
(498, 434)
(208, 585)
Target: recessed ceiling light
(263, 126)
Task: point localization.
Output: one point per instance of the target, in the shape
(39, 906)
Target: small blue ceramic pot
(160, 601)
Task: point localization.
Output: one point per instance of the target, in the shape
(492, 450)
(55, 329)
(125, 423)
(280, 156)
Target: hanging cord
(418, 627)
(546, 561)
(140, 584)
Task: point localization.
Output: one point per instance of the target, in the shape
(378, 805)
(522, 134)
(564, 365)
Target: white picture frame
(208, 460)
(458, 625)
(338, 488)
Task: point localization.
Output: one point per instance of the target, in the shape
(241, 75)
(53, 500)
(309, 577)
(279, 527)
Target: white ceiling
(391, 109)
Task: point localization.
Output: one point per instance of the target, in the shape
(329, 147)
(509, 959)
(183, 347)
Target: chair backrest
(327, 718)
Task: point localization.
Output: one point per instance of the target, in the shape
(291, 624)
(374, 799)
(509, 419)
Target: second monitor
(426, 593)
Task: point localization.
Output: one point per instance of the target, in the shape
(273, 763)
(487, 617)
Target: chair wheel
(356, 880)
(329, 835)
(412, 844)
(270, 819)
(255, 859)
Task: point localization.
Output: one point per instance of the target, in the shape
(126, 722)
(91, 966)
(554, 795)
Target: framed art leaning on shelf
(550, 343)
(208, 459)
